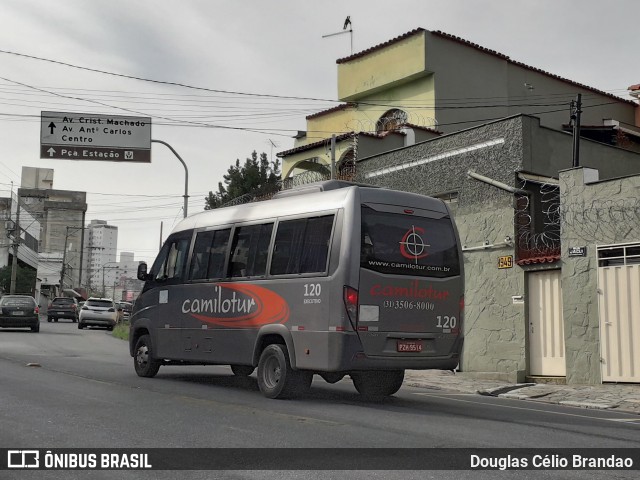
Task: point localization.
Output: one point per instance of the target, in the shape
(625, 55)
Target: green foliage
(121, 331)
(257, 177)
(25, 280)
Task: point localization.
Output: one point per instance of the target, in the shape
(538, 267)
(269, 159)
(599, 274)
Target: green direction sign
(85, 136)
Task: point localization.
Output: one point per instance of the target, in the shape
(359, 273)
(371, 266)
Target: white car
(99, 312)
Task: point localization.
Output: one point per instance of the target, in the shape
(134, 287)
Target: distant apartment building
(128, 286)
(100, 247)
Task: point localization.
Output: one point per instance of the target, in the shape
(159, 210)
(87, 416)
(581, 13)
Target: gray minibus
(332, 279)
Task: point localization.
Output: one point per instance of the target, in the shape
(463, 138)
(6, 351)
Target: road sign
(87, 136)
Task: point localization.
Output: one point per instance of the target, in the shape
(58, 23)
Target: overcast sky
(270, 48)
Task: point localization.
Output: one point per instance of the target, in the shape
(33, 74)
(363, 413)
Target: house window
(391, 120)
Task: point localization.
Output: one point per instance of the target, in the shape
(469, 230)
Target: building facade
(442, 83)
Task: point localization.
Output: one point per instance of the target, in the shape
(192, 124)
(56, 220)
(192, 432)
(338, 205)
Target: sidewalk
(619, 397)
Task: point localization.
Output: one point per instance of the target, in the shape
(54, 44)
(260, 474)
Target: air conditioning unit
(9, 225)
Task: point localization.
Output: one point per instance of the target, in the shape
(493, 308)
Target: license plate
(409, 345)
(18, 312)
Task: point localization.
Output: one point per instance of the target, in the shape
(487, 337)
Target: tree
(25, 280)
(256, 177)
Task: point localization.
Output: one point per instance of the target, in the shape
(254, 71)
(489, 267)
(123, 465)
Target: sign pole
(186, 174)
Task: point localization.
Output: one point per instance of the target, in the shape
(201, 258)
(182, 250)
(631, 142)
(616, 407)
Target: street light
(104, 266)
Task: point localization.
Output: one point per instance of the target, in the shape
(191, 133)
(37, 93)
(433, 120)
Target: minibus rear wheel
(276, 378)
(380, 383)
(242, 370)
(143, 360)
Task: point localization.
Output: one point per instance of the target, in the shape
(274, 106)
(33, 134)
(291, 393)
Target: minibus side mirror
(142, 271)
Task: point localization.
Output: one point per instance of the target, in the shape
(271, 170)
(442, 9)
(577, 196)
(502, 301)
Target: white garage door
(619, 310)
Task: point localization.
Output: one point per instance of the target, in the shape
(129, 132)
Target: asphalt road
(84, 393)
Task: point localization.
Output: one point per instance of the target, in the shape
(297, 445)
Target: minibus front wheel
(143, 361)
(276, 378)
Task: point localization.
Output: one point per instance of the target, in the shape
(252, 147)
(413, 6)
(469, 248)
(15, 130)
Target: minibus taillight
(351, 304)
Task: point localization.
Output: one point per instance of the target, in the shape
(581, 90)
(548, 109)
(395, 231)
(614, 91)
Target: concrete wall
(600, 213)
(548, 151)
(494, 327)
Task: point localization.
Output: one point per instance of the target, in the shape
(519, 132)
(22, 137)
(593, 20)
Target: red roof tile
(337, 108)
(537, 260)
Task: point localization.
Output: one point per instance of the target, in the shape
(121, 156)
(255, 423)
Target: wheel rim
(142, 356)
(272, 372)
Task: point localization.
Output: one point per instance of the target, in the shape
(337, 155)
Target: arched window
(391, 120)
(347, 166)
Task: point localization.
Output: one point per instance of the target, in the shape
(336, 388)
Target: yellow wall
(399, 61)
(392, 77)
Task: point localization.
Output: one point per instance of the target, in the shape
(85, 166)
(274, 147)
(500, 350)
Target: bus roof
(307, 199)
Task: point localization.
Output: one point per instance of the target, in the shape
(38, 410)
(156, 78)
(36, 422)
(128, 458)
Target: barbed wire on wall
(393, 121)
(538, 220)
(601, 219)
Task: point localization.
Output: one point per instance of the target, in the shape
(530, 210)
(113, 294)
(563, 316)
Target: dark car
(126, 310)
(19, 311)
(63, 307)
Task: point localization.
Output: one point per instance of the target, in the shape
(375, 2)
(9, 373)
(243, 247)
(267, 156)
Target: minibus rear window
(408, 244)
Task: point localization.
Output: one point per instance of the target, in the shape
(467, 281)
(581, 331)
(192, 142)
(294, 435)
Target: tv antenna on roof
(347, 24)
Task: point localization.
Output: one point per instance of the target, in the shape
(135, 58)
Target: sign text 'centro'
(79, 136)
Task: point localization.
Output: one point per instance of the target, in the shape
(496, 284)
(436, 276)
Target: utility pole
(16, 245)
(64, 259)
(333, 156)
(576, 106)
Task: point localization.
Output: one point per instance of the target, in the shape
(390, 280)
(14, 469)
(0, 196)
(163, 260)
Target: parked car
(99, 312)
(126, 310)
(63, 307)
(19, 311)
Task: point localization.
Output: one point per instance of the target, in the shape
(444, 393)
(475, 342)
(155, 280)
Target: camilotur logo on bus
(412, 245)
(236, 305)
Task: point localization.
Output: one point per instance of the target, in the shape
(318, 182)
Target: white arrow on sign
(51, 152)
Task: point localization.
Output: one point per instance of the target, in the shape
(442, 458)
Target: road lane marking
(566, 414)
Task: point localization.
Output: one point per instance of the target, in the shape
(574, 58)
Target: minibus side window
(249, 250)
(209, 250)
(302, 246)
(170, 265)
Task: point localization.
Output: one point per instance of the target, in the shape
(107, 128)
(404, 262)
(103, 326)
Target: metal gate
(619, 311)
(546, 326)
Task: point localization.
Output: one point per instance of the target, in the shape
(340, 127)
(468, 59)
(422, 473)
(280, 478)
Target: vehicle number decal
(446, 321)
(312, 290)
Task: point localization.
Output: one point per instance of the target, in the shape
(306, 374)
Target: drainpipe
(496, 183)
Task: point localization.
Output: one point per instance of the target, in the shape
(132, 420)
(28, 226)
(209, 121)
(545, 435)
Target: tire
(55, 320)
(110, 328)
(242, 370)
(80, 326)
(378, 384)
(143, 361)
(276, 378)
(36, 328)
(49, 319)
